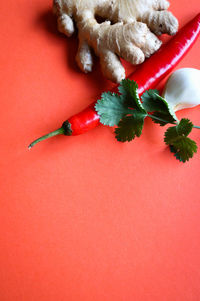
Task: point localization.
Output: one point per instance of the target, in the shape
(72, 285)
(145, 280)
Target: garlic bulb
(183, 89)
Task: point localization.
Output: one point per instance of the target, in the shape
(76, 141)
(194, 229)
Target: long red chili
(147, 76)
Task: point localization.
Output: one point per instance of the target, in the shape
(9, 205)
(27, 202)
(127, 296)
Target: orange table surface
(87, 218)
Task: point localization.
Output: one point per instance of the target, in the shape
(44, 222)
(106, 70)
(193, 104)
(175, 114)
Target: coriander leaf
(184, 149)
(149, 100)
(154, 103)
(129, 89)
(129, 127)
(162, 118)
(176, 137)
(111, 108)
(184, 127)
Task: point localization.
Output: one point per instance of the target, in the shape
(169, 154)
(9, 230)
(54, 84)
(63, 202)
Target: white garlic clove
(182, 89)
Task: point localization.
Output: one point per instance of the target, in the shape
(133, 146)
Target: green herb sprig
(127, 112)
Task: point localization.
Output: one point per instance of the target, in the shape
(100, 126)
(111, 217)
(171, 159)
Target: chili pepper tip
(59, 131)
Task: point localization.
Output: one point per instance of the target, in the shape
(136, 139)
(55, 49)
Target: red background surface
(87, 218)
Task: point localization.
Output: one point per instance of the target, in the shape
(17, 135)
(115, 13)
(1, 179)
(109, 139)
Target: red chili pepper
(147, 76)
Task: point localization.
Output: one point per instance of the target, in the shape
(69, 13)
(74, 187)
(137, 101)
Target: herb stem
(159, 119)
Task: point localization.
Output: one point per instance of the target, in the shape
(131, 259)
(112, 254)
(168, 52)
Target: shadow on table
(47, 21)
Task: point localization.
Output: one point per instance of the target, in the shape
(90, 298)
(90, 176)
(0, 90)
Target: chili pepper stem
(60, 131)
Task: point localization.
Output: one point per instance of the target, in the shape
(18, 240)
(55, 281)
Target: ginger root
(129, 30)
